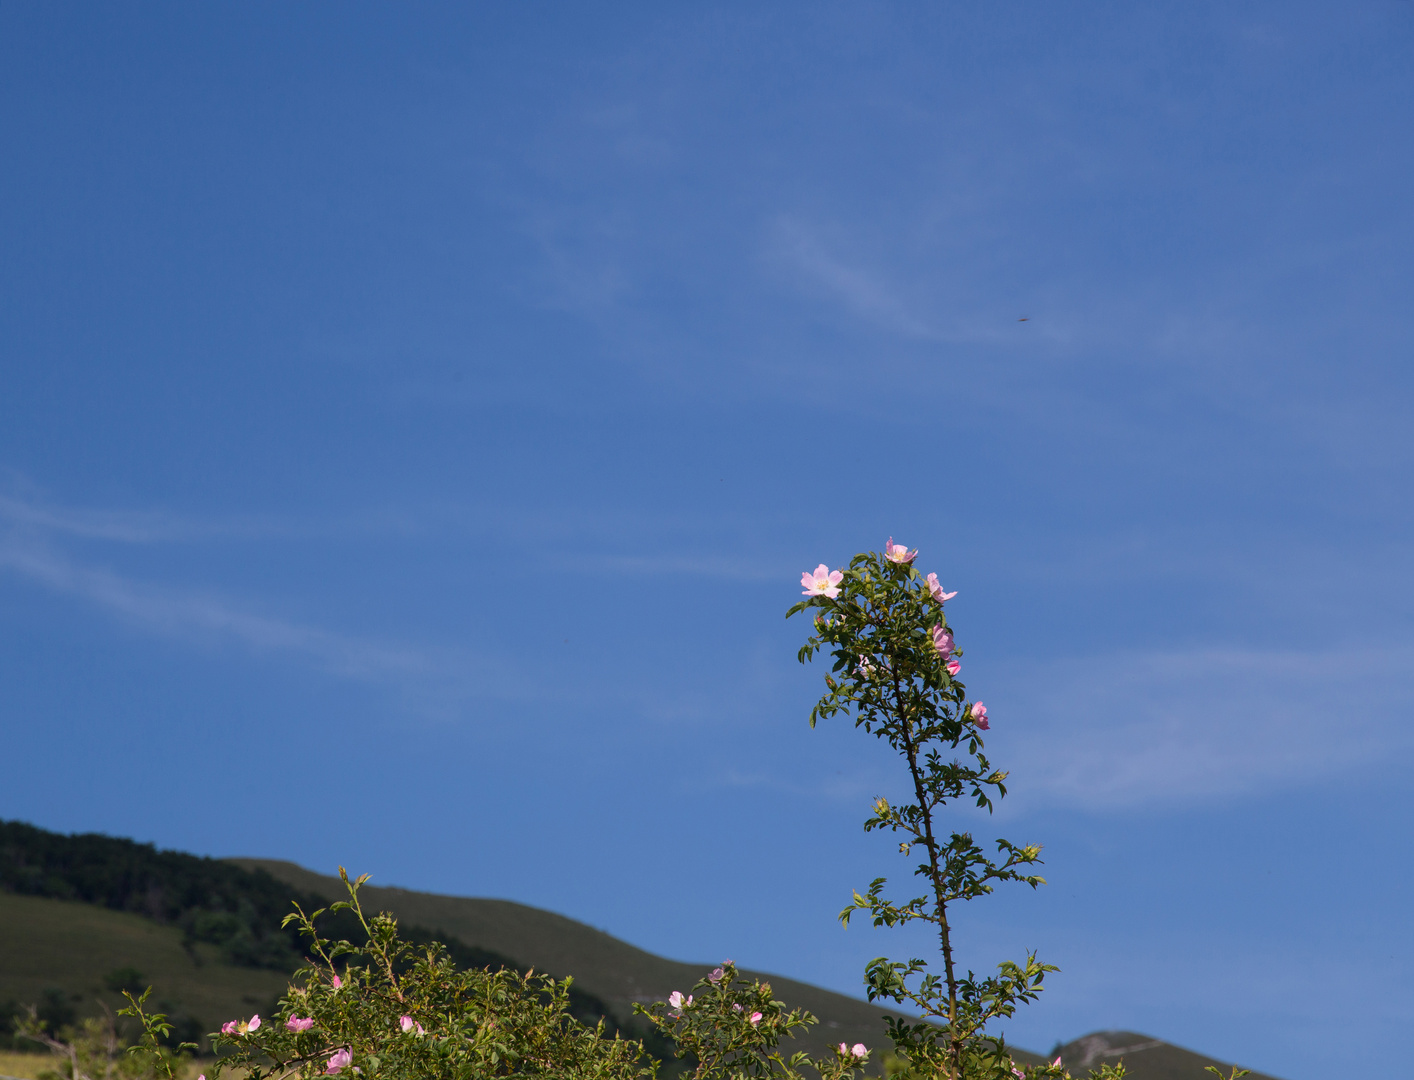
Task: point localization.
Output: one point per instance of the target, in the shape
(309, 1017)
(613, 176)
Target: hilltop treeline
(235, 909)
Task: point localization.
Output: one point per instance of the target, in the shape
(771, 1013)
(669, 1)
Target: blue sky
(414, 423)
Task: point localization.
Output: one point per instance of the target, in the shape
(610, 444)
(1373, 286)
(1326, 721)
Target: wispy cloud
(52, 546)
(857, 785)
(585, 528)
(1174, 727)
(1130, 730)
(802, 253)
(1105, 731)
(431, 681)
(175, 612)
(695, 566)
(38, 517)
(928, 297)
(125, 527)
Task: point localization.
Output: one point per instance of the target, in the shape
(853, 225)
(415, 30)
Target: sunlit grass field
(29, 1066)
(25, 1066)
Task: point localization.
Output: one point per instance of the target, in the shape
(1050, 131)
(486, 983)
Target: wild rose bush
(384, 1008)
(732, 1027)
(896, 675)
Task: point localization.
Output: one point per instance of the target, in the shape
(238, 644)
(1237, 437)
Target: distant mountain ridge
(1144, 1057)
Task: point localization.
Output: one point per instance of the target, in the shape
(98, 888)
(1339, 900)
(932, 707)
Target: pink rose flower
(859, 1050)
(755, 1018)
(979, 715)
(942, 640)
(254, 1024)
(338, 1061)
(229, 1027)
(408, 1024)
(678, 1002)
(824, 582)
(899, 553)
(953, 668)
(338, 982)
(299, 1023)
(715, 976)
(936, 590)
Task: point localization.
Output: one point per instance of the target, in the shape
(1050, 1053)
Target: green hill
(82, 916)
(60, 954)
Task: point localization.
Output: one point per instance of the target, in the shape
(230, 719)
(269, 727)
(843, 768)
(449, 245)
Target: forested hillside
(233, 910)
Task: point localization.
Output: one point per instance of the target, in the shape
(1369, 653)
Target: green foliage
(93, 1050)
(732, 1027)
(386, 1007)
(895, 674)
(20, 1024)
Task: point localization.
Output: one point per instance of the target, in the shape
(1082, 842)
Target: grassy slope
(70, 946)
